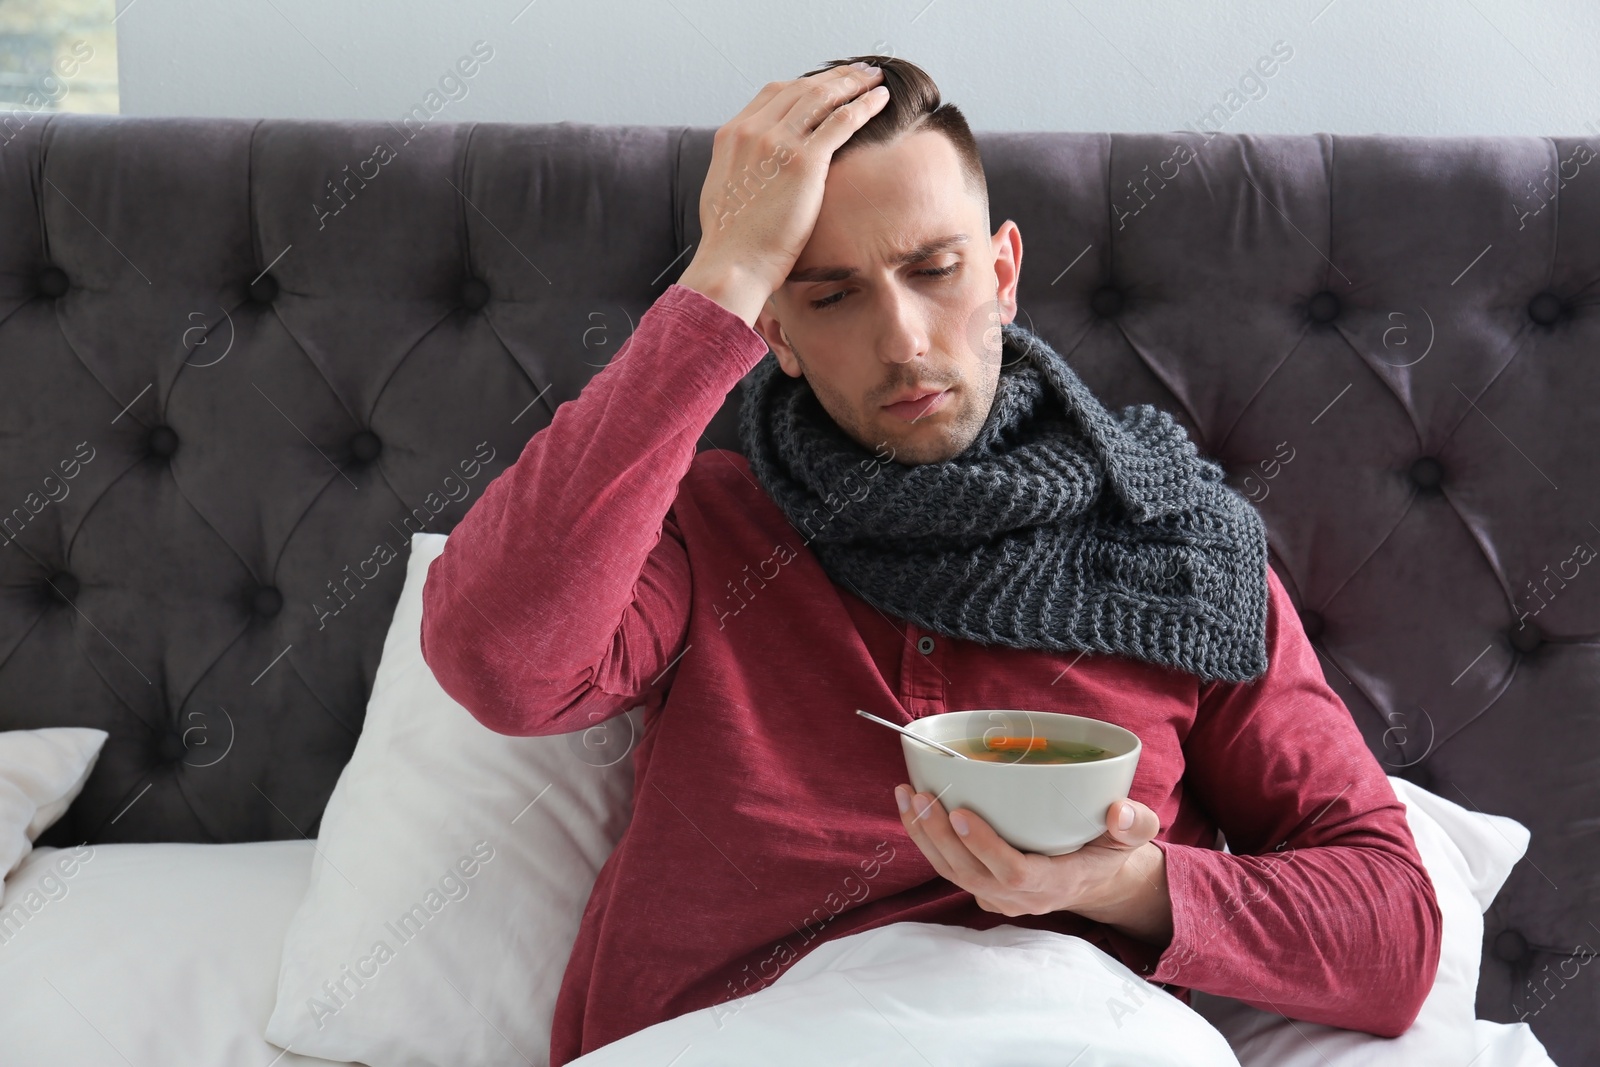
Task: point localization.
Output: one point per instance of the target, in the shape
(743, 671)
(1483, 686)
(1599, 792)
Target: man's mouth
(917, 403)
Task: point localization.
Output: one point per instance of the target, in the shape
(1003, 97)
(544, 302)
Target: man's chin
(920, 443)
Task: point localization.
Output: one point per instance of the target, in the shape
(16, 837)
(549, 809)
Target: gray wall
(1352, 66)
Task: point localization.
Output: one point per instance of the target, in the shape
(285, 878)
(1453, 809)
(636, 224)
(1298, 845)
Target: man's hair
(914, 106)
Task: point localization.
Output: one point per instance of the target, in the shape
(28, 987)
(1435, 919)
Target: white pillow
(1468, 855)
(452, 868)
(41, 773)
(146, 953)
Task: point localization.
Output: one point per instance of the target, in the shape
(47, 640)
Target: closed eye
(833, 299)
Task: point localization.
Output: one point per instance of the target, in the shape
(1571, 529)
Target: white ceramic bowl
(1048, 808)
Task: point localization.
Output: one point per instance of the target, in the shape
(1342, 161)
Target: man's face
(888, 327)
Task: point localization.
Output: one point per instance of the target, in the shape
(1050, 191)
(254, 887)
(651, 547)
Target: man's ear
(772, 332)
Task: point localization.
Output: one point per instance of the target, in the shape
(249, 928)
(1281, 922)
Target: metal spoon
(947, 750)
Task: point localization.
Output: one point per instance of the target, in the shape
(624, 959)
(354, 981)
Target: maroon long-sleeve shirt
(611, 566)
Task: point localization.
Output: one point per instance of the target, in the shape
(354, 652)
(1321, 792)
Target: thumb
(1132, 823)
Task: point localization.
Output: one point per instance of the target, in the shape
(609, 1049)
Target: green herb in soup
(1002, 748)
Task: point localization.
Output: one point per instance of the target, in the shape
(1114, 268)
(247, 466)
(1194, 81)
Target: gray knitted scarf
(1015, 541)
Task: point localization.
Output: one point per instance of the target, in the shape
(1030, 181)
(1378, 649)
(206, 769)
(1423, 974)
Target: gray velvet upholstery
(1392, 344)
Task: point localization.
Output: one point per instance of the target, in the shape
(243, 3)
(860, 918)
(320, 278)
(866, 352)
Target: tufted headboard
(241, 362)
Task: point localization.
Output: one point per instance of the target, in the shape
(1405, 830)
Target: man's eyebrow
(839, 274)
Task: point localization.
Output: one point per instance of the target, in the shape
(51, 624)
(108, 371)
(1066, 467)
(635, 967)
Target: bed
(246, 372)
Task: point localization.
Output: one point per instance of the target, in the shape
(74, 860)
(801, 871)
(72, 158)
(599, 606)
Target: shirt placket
(923, 673)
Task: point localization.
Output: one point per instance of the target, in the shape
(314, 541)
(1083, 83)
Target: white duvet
(926, 995)
(921, 994)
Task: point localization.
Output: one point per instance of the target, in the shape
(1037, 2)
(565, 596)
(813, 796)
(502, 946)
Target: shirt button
(925, 645)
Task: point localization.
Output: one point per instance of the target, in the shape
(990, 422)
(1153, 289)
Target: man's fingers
(918, 833)
(769, 109)
(936, 828)
(777, 98)
(820, 97)
(1004, 863)
(841, 124)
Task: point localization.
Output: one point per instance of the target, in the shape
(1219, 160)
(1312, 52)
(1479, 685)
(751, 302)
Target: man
(931, 513)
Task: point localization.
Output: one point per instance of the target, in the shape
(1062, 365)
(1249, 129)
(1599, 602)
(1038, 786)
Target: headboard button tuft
(1324, 307)
(264, 290)
(1106, 301)
(170, 747)
(62, 586)
(1510, 946)
(1312, 623)
(52, 282)
(474, 293)
(1427, 473)
(365, 446)
(161, 441)
(1545, 308)
(1526, 636)
(266, 601)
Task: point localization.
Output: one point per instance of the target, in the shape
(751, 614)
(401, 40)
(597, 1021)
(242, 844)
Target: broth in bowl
(1003, 748)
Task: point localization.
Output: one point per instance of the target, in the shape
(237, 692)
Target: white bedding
(167, 955)
(914, 994)
(923, 995)
(147, 955)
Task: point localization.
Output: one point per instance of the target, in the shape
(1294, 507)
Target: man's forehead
(899, 256)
